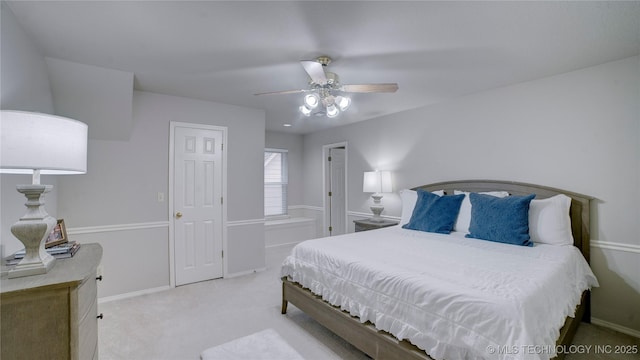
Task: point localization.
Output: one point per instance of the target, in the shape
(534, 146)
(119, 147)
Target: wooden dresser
(54, 315)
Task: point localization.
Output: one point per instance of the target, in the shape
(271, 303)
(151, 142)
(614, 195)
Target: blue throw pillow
(434, 213)
(504, 220)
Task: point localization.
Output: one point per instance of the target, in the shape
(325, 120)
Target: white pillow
(549, 221)
(464, 216)
(409, 199)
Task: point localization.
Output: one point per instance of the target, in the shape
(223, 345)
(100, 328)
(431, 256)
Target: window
(275, 182)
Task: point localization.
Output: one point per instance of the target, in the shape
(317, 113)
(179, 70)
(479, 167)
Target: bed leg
(284, 300)
(586, 317)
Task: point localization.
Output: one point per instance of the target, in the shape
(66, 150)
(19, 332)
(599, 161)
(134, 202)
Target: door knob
(178, 215)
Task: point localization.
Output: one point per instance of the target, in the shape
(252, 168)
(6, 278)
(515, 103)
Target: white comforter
(453, 297)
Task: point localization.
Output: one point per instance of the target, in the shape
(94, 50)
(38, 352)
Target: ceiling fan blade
(281, 92)
(369, 88)
(315, 71)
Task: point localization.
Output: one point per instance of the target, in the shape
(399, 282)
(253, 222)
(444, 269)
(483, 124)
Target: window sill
(277, 217)
(283, 222)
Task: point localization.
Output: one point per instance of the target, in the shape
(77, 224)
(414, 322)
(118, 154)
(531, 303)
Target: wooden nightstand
(366, 224)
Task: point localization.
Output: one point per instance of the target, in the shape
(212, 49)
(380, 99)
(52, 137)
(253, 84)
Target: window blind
(275, 182)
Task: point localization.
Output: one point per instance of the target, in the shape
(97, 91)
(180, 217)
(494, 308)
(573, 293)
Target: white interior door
(197, 194)
(336, 191)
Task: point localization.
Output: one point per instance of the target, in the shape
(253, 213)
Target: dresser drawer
(88, 334)
(87, 294)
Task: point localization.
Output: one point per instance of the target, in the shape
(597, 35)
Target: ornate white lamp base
(376, 208)
(32, 230)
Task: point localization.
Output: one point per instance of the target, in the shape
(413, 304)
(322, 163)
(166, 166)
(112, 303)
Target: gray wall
(578, 131)
(124, 178)
(133, 172)
(25, 83)
(24, 86)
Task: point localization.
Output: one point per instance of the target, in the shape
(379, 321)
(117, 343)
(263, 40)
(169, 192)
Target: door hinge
(221, 147)
(222, 252)
(221, 201)
(330, 193)
(329, 159)
(330, 228)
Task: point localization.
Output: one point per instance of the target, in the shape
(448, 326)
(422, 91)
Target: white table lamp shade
(33, 141)
(377, 182)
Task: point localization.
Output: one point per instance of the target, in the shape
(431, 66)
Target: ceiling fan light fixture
(311, 101)
(332, 111)
(328, 99)
(343, 102)
(305, 110)
(332, 104)
(320, 98)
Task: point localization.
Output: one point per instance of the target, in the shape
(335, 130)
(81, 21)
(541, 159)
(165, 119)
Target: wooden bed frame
(382, 345)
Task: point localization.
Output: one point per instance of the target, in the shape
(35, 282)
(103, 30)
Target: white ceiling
(227, 51)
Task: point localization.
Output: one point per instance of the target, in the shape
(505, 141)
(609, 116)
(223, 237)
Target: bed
(432, 303)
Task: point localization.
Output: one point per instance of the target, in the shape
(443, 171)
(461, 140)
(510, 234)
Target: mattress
(454, 297)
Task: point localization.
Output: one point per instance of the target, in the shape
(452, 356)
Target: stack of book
(61, 251)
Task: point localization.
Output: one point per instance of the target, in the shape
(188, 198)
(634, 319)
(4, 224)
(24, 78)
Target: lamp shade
(377, 182)
(31, 141)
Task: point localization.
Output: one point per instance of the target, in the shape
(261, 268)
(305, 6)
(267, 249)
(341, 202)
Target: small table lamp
(377, 182)
(35, 143)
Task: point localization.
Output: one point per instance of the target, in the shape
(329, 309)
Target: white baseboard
(133, 294)
(241, 273)
(616, 327)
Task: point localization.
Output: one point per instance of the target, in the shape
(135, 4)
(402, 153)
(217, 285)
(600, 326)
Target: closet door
(336, 190)
(197, 205)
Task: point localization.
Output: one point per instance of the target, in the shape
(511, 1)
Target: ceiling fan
(325, 88)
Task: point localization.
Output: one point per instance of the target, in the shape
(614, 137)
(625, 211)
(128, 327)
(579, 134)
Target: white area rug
(263, 345)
